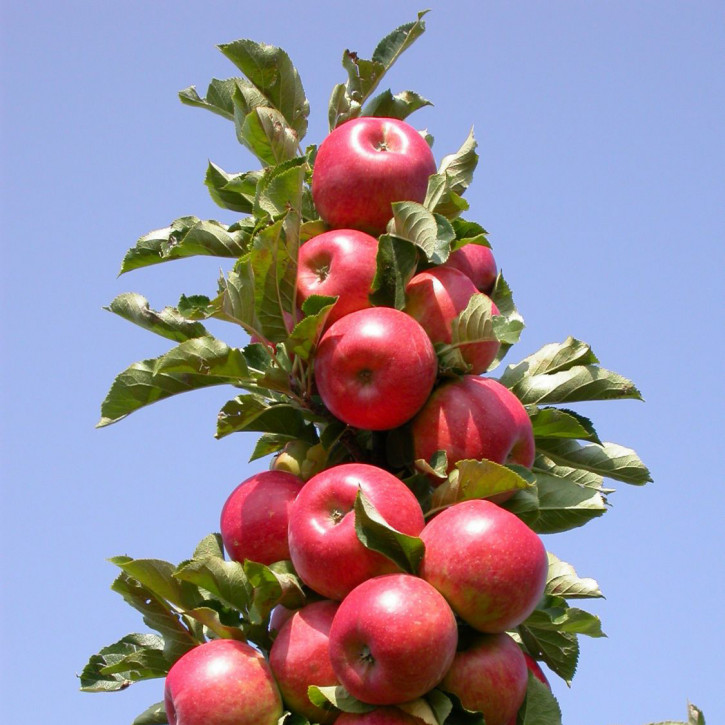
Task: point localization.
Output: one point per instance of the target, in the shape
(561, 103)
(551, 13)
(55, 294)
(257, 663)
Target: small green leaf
(608, 459)
(338, 697)
(185, 237)
(236, 192)
(559, 423)
(559, 650)
(218, 97)
(476, 480)
(253, 413)
(441, 199)
(540, 706)
(265, 133)
(376, 534)
(274, 76)
(154, 715)
(396, 261)
(272, 585)
(168, 323)
(432, 233)
(468, 232)
(563, 581)
(280, 189)
(400, 105)
(509, 323)
(306, 334)
(225, 580)
(210, 545)
(458, 168)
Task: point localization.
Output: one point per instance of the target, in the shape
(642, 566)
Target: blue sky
(600, 180)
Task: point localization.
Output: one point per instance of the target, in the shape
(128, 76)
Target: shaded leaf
(226, 580)
(338, 697)
(232, 191)
(540, 706)
(218, 97)
(272, 585)
(396, 261)
(252, 413)
(265, 133)
(168, 323)
(154, 715)
(431, 233)
(559, 423)
(400, 105)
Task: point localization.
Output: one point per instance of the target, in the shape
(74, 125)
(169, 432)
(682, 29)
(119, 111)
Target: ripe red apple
(339, 263)
(438, 295)
(222, 682)
(489, 675)
(392, 640)
(474, 418)
(365, 165)
(254, 517)
(300, 657)
(488, 564)
(477, 263)
(325, 550)
(375, 368)
(379, 716)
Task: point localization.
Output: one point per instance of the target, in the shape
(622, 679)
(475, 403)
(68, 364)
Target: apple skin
(222, 682)
(477, 263)
(488, 564)
(324, 547)
(340, 263)
(300, 657)
(490, 676)
(366, 164)
(254, 517)
(375, 368)
(392, 640)
(379, 716)
(438, 295)
(474, 418)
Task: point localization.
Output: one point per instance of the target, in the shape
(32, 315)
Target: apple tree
(376, 320)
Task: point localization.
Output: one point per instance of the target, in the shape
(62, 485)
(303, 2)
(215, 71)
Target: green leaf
(559, 650)
(218, 97)
(304, 337)
(158, 577)
(400, 105)
(552, 358)
(252, 413)
(154, 715)
(168, 323)
(575, 475)
(134, 657)
(478, 479)
(608, 459)
(555, 616)
(272, 73)
(185, 237)
(364, 75)
(578, 383)
(376, 534)
(338, 697)
(265, 133)
(564, 504)
(272, 585)
(194, 364)
(210, 545)
(280, 189)
(468, 232)
(540, 706)
(396, 261)
(509, 323)
(158, 615)
(563, 581)
(559, 423)
(236, 192)
(235, 301)
(458, 168)
(432, 233)
(225, 580)
(441, 199)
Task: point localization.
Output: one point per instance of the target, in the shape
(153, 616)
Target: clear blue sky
(600, 129)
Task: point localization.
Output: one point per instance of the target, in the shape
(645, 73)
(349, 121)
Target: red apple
(365, 165)
(300, 657)
(474, 418)
(477, 263)
(375, 368)
(379, 716)
(438, 295)
(339, 263)
(488, 564)
(254, 517)
(536, 670)
(222, 682)
(489, 675)
(325, 550)
(392, 640)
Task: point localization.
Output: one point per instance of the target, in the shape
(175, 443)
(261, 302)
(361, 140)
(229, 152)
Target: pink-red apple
(488, 564)
(325, 550)
(366, 164)
(536, 670)
(375, 368)
(392, 640)
(477, 263)
(489, 675)
(254, 517)
(438, 295)
(300, 657)
(474, 418)
(222, 682)
(340, 263)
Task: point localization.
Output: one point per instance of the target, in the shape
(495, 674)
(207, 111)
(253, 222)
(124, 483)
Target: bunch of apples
(385, 633)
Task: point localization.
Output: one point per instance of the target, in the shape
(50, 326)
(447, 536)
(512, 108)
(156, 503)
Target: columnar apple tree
(390, 566)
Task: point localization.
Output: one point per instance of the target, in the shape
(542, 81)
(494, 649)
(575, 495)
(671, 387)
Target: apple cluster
(385, 633)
